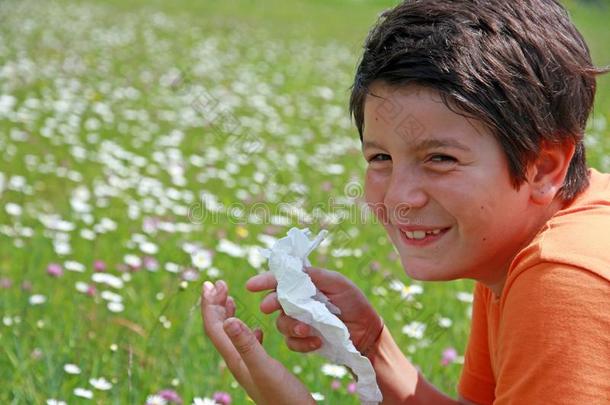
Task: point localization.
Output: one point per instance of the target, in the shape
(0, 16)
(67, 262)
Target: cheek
(485, 218)
(374, 193)
(472, 207)
(374, 187)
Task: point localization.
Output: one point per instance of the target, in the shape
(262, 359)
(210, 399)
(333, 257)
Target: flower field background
(148, 146)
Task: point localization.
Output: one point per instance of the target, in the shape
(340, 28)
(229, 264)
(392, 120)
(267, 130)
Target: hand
(361, 319)
(265, 379)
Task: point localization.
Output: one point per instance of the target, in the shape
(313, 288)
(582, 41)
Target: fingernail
(313, 345)
(207, 286)
(232, 327)
(300, 330)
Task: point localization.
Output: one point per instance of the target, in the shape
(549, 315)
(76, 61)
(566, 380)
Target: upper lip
(413, 228)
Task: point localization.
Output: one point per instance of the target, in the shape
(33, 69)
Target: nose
(404, 196)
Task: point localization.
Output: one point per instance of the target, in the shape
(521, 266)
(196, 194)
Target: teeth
(421, 234)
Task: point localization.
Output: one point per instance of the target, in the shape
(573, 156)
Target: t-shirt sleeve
(477, 380)
(554, 338)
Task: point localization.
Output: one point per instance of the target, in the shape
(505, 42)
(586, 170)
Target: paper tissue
(301, 300)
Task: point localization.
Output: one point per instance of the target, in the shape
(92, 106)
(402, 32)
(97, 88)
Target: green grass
(146, 61)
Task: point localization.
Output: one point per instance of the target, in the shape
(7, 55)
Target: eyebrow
(429, 143)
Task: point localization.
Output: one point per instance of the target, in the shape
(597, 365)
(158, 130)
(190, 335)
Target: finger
(270, 303)
(207, 286)
(304, 345)
(211, 310)
(262, 282)
(208, 292)
(214, 294)
(291, 327)
(213, 305)
(213, 317)
(327, 281)
(246, 343)
(222, 291)
(258, 333)
(230, 307)
(271, 379)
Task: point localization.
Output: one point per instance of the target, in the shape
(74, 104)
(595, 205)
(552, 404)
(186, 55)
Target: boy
(472, 116)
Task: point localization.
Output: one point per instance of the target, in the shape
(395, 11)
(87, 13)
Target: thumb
(328, 281)
(246, 343)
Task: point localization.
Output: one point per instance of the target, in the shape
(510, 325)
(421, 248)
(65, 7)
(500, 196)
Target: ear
(547, 173)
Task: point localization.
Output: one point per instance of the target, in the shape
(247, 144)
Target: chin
(427, 274)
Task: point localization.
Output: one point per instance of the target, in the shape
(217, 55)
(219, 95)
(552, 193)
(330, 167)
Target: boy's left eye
(442, 159)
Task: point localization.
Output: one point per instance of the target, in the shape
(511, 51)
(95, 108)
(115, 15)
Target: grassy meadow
(147, 146)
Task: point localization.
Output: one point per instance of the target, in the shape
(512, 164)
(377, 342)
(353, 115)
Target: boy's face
(444, 180)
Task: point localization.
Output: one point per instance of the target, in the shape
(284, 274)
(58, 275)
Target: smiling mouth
(420, 237)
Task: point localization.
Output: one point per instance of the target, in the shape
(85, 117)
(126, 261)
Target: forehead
(415, 114)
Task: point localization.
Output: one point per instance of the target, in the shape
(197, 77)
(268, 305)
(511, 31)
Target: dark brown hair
(521, 67)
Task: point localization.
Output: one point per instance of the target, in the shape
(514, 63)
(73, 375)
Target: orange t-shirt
(546, 339)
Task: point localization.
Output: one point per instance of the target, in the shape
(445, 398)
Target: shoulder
(554, 327)
(558, 300)
(551, 287)
(555, 310)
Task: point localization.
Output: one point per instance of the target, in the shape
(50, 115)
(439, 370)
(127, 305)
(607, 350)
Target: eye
(380, 157)
(442, 159)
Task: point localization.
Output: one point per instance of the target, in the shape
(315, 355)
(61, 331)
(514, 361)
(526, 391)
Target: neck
(496, 285)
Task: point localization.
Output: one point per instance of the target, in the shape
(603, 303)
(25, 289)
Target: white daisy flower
(87, 234)
(71, 369)
(334, 370)
(202, 259)
(100, 384)
(108, 279)
(445, 322)
(74, 266)
(61, 247)
(13, 209)
(107, 224)
(414, 329)
(230, 248)
(155, 400)
(203, 401)
(37, 299)
(132, 260)
(110, 296)
(255, 257)
(149, 248)
(464, 296)
(115, 307)
(172, 267)
(406, 292)
(83, 393)
(81, 287)
(213, 272)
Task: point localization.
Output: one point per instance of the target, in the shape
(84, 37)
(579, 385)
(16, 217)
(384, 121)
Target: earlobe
(547, 174)
(545, 194)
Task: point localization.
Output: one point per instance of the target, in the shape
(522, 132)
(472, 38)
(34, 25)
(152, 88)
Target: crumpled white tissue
(300, 299)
